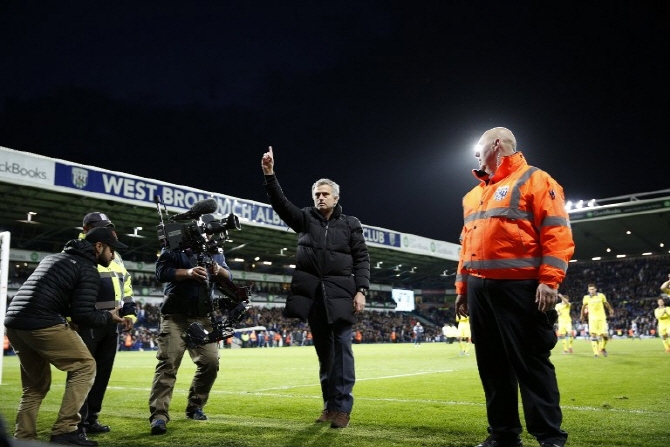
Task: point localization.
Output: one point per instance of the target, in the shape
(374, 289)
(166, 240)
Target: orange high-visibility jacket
(515, 226)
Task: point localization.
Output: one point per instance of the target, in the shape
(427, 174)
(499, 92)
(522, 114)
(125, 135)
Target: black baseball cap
(106, 236)
(97, 219)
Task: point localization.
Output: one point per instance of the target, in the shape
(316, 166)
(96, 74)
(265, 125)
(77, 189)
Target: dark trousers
(102, 342)
(336, 359)
(513, 342)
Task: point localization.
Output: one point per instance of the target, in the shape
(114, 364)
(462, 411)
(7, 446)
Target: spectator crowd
(631, 286)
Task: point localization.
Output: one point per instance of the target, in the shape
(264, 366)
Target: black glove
(128, 309)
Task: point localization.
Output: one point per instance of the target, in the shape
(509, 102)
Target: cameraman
(186, 301)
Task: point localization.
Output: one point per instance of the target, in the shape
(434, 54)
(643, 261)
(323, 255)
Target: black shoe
(549, 444)
(95, 428)
(77, 437)
(490, 442)
(158, 427)
(197, 415)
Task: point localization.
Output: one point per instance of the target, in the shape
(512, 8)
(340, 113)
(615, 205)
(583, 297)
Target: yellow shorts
(598, 327)
(464, 330)
(564, 329)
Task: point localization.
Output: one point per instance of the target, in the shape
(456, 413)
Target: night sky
(386, 98)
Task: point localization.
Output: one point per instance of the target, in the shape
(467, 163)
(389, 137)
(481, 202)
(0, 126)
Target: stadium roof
(42, 215)
(58, 219)
(625, 226)
(628, 225)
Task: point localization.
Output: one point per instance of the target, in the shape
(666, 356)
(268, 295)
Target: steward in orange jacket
(516, 245)
(515, 226)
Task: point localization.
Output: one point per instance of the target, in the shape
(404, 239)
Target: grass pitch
(404, 396)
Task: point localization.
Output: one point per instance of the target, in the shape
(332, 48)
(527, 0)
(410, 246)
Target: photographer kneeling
(186, 301)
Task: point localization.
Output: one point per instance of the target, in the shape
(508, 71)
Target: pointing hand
(268, 162)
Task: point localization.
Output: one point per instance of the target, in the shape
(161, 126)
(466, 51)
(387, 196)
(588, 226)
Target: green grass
(405, 396)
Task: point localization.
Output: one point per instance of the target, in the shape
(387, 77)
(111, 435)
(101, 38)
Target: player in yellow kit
(662, 315)
(565, 330)
(464, 334)
(594, 305)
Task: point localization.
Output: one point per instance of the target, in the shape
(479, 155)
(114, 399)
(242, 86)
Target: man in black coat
(329, 286)
(63, 285)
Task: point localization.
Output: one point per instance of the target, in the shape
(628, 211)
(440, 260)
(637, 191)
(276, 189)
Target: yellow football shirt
(596, 306)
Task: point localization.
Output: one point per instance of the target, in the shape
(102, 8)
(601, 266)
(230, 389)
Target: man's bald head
(506, 137)
(493, 144)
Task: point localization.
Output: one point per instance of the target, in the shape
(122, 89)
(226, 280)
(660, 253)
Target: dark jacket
(188, 297)
(331, 257)
(63, 285)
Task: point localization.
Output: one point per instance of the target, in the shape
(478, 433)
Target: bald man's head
(506, 137)
(493, 144)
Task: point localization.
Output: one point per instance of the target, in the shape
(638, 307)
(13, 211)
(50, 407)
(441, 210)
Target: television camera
(202, 232)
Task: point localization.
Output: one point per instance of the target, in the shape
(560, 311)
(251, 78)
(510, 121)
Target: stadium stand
(44, 199)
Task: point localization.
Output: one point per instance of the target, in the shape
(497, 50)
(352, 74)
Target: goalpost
(4, 275)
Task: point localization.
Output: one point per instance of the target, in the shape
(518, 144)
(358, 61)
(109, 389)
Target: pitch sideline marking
(387, 399)
(288, 387)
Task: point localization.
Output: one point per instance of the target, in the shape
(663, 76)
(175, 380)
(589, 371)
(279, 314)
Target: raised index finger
(270, 150)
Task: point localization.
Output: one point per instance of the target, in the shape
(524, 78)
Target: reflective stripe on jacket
(115, 286)
(515, 226)
(118, 278)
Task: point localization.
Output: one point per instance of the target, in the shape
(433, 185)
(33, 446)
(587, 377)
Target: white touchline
(378, 399)
(288, 387)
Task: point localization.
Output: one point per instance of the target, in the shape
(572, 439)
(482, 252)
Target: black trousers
(336, 358)
(102, 342)
(513, 342)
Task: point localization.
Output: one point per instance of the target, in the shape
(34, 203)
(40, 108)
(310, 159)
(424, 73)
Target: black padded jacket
(332, 258)
(63, 285)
